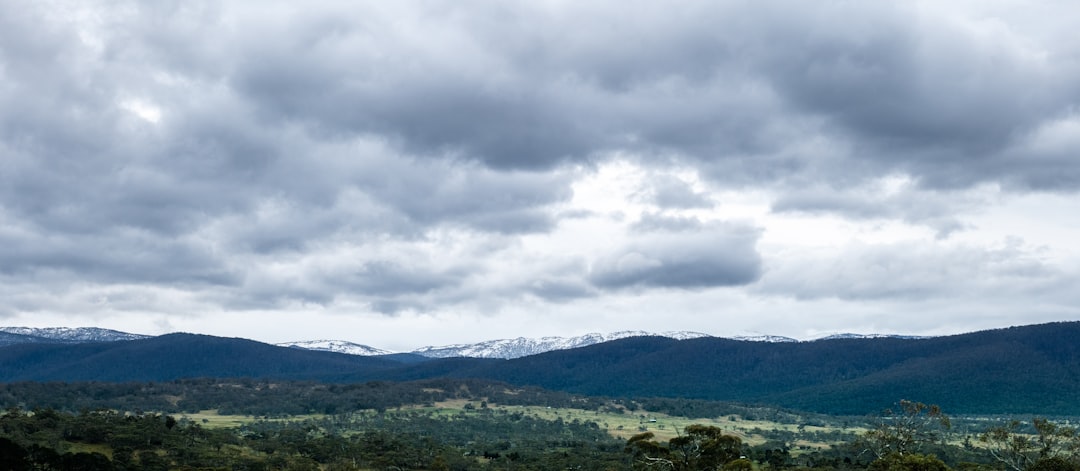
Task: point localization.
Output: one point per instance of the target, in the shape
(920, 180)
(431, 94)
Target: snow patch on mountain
(522, 346)
(764, 338)
(844, 336)
(338, 346)
(74, 334)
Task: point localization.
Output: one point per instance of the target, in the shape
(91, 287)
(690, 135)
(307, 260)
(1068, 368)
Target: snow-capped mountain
(8, 338)
(869, 336)
(73, 334)
(521, 346)
(764, 338)
(339, 346)
(502, 348)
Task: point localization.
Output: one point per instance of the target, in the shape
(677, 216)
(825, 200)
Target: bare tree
(1022, 451)
(903, 431)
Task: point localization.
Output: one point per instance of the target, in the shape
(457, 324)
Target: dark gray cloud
(668, 191)
(433, 192)
(394, 278)
(117, 256)
(942, 98)
(659, 222)
(210, 171)
(718, 255)
(937, 210)
(553, 289)
(896, 90)
(915, 272)
(740, 88)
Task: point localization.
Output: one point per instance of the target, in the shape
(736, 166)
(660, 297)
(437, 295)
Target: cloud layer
(485, 159)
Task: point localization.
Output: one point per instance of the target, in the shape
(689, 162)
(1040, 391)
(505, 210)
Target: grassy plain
(666, 427)
(621, 425)
(212, 419)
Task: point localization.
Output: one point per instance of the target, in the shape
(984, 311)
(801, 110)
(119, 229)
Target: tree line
(141, 426)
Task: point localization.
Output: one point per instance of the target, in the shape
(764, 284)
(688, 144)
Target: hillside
(72, 334)
(175, 356)
(1031, 369)
(522, 346)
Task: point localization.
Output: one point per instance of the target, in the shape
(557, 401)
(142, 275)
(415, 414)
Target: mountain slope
(522, 346)
(8, 338)
(176, 356)
(1025, 369)
(338, 346)
(72, 334)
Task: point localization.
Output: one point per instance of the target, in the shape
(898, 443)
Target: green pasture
(621, 425)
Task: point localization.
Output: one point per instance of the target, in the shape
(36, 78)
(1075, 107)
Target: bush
(909, 462)
(1055, 463)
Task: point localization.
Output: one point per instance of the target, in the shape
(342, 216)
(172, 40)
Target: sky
(403, 174)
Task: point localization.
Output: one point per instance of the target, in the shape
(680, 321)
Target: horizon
(450, 172)
(610, 335)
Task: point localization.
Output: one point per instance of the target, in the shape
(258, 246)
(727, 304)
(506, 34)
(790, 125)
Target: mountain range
(1027, 370)
(17, 335)
(500, 348)
(338, 346)
(523, 346)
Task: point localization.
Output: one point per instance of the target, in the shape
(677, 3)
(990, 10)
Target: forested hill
(1032, 369)
(176, 356)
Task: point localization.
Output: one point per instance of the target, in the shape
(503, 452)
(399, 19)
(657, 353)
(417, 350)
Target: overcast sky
(402, 174)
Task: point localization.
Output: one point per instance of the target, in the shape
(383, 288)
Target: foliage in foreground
(914, 437)
(48, 440)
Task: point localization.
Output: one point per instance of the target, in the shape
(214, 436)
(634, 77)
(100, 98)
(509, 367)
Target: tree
(700, 447)
(12, 456)
(705, 447)
(649, 454)
(1050, 447)
(908, 462)
(1055, 463)
(905, 430)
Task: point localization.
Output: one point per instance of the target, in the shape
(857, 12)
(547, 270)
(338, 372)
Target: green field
(620, 425)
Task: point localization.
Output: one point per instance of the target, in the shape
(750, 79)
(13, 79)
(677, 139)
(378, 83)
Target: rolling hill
(176, 356)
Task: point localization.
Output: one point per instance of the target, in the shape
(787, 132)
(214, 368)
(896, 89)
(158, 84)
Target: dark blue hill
(8, 338)
(406, 358)
(176, 356)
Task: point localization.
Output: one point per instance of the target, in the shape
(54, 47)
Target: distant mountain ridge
(523, 346)
(174, 356)
(339, 346)
(764, 338)
(500, 348)
(1019, 370)
(72, 335)
(870, 336)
